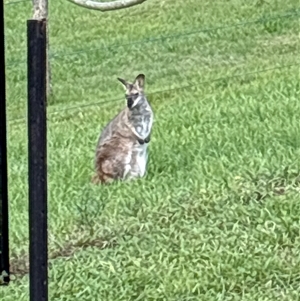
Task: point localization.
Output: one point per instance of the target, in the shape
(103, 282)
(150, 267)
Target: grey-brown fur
(122, 146)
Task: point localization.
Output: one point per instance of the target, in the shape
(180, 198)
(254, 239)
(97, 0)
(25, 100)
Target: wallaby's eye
(134, 95)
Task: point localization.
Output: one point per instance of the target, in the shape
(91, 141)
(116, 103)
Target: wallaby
(121, 151)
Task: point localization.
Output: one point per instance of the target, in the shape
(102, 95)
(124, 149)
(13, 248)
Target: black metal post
(4, 239)
(37, 152)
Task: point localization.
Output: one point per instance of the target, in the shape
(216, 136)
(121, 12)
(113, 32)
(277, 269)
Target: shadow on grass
(258, 187)
(19, 266)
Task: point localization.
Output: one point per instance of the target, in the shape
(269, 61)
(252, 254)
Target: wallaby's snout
(131, 99)
(129, 102)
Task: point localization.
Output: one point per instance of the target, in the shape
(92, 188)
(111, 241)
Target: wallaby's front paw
(141, 141)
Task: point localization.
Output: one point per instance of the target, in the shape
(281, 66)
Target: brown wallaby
(121, 151)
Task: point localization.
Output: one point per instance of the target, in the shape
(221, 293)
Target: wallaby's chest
(141, 119)
(143, 126)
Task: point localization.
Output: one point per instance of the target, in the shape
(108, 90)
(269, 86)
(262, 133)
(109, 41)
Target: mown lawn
(217, 216)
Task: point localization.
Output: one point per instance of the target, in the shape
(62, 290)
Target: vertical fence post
(4, 247)
(37, 152)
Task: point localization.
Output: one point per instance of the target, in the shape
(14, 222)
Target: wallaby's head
(134, 92)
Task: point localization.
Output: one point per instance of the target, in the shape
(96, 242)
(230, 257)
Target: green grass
(217, 216)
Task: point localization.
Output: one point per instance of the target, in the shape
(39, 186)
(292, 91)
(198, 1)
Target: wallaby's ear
(124, 82)
(140, 81)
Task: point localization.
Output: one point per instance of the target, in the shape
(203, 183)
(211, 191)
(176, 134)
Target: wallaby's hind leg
(127, 166)
(139, 162)
(127, 169)
(102, 179)
(104, 169)
(112, 164)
